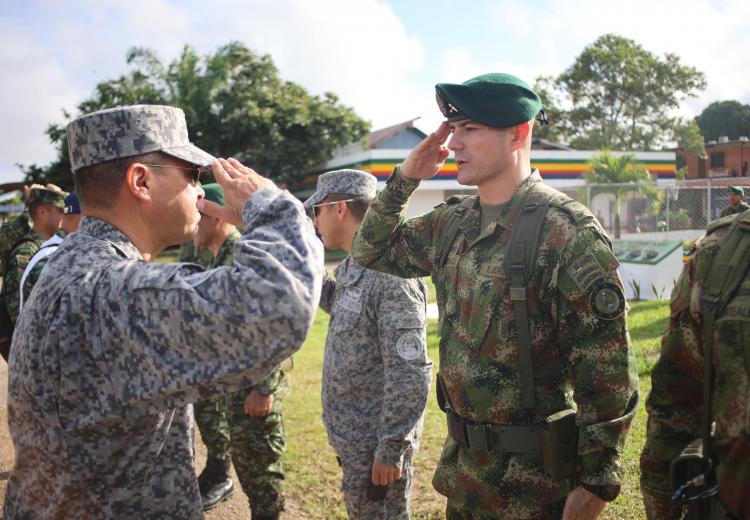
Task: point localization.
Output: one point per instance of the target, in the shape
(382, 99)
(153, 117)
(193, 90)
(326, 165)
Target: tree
(620, 176)
(725, 118)
(617, 95)
(236, 105)
(688, 137)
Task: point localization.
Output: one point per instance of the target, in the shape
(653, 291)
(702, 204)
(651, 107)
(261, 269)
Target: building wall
(735, 154)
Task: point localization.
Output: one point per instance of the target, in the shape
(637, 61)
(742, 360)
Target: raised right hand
(238, 182)
(426, 159)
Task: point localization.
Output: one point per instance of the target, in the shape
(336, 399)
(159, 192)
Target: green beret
(495, 99)
(737, 189)
(45, 196)
(214, 193)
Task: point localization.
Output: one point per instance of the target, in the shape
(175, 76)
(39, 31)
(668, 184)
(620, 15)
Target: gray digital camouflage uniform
(376, 378)
(115, 349)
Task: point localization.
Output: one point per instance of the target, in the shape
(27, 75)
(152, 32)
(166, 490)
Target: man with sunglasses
(112, 348)
(376, 374)
(536, 375)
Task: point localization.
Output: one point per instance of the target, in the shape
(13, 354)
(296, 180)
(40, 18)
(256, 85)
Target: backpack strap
(520, 261)
(453, 226)
(729, 269)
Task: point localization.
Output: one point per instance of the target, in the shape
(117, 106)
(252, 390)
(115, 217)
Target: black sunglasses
(195, 171)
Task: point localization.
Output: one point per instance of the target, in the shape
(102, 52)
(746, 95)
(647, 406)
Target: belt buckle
(479, 437)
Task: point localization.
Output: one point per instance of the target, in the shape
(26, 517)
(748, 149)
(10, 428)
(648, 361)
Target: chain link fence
(677, 212)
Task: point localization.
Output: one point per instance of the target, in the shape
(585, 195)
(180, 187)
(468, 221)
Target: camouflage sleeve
(19, 259)
(407, 370)
(270, 383)
(194, 333)
(595, 348)
(388, 242)
(327, 293)
(675, 403)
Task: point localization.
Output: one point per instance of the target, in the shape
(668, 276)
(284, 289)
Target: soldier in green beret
(737, 202)
(537, 378)
(46, 208)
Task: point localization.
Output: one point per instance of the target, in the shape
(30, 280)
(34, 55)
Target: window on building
(717, 159)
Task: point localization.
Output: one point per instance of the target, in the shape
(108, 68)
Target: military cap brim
(737, 189)
(355, 183)
(496, 99)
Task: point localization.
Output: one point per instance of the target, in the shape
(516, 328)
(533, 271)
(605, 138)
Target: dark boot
(265, 517)
(214, 483)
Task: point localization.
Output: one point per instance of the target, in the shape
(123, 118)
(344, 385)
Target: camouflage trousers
(554, 512)
(356, 466)
(254, 444)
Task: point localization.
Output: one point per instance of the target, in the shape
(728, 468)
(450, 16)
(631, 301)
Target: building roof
(379, 137)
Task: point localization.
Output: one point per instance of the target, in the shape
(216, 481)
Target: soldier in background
(737, 202)
(533, 339)
(245, 427)
(110, 356)
(676, 403)
(376, 374)
(70, 221)
(46, 211)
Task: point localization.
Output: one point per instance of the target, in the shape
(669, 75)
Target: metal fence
(679, 211)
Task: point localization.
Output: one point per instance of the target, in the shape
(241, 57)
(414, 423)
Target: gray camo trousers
(356, 467)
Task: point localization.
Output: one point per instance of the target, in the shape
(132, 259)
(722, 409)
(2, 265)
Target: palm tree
(623, 175)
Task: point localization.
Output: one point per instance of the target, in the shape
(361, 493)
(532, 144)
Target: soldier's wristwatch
(606, 493)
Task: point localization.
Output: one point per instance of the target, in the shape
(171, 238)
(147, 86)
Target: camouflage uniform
(115, 349)
(580, 344)
(17, 262)
(10, 232)
(376, 378)
(675, 404)
(254, 444)
(729, 210)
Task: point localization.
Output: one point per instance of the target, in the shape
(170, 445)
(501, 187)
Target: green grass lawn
(313, 477)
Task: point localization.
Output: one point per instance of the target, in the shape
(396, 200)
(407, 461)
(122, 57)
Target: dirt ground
(234, 508)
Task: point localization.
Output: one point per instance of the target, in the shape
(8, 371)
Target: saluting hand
(238, 182)
(426, 159)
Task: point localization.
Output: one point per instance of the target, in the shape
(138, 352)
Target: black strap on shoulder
(520, 260)
(729, 269)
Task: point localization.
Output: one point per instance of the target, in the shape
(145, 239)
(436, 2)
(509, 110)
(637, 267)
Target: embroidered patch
(584, 271)
(409, 346)
(351, 299)
(607, 301)
(492, 269)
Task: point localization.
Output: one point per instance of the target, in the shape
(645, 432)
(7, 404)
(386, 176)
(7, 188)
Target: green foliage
(619, 96)
(620, 176)
(724, 118)
(236, 105)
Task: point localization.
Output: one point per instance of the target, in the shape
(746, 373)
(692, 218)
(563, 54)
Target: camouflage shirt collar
(515, 201)
(349, 272)
(107, 232)
(223, 257)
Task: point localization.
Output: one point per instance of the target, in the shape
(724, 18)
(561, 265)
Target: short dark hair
(98, 185)
(358, 206)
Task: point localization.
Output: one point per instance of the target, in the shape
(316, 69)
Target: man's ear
(138, 181)
(520, 134)
(341, 210)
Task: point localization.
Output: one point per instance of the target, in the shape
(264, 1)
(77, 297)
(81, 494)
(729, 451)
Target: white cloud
(358, 49)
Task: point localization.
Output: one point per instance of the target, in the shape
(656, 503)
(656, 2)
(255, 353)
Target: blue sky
(381, 57)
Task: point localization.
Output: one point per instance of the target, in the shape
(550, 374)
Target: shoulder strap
(452, 228)
(729, 269)
(520, 260)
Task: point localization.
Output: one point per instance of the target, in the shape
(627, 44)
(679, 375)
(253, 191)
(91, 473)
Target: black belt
(489, 437)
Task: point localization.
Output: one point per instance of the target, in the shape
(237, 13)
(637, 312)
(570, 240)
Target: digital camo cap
(126, 131)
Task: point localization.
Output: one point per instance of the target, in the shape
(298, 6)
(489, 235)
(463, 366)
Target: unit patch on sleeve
(607, 301)
(584, 271)
(409, 346)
